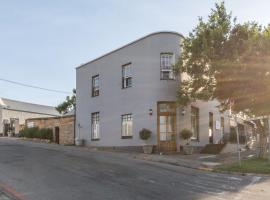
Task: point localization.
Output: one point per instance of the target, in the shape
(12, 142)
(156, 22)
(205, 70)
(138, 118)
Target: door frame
(166, 114)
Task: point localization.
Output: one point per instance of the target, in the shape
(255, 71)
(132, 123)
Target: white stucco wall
(204, 109)
(147, 89)
(113, 101)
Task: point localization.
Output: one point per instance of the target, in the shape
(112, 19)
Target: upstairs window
(166, 66)
(95, 126)
(95, 86)
(126, 76)
(127, 126)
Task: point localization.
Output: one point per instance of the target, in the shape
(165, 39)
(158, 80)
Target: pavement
(39, 171)
(196, 161)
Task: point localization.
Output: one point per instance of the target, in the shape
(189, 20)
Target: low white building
(14, 113)
(134, 87)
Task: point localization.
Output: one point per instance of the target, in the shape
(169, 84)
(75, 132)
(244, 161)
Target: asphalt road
(34, 171)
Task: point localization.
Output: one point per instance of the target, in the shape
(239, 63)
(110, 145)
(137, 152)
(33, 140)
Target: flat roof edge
(133, 42)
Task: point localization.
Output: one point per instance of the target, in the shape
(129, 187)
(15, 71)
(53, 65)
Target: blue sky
(42, 41)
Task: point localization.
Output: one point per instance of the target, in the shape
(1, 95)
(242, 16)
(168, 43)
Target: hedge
(35, 132)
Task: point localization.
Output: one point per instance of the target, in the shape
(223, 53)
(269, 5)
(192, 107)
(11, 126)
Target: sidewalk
(196, 161)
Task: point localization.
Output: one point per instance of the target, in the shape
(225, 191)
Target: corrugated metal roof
(27, 107)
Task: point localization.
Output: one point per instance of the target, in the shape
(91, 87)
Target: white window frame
(95, 85)
(126, 76)
(30, 124)
(167, 60)
(126, 126)
(195, 131)
(95, 126)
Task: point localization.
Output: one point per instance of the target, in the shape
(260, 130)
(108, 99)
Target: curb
(240, 173)
(174, 164)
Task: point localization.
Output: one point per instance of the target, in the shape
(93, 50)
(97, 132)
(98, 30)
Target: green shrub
(186, 134)
(35, 132)
(145, 134)
(46, 133)
(29, 132)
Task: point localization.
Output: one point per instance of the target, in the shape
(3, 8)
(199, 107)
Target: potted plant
(186, 134)
(145, 134)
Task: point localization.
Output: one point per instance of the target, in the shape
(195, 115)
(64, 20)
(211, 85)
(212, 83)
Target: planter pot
(78, 142)
(147, 149)
(188, 150)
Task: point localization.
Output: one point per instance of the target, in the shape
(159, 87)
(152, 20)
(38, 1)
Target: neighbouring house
(62, 126)
(14, 113)
(134, 87)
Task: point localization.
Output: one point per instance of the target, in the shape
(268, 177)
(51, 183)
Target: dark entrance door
(211, 128)
(56, 135)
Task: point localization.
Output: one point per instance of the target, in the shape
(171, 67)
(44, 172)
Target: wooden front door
(166, 126)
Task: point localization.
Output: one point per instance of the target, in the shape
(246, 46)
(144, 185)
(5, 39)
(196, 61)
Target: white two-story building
(134, 87)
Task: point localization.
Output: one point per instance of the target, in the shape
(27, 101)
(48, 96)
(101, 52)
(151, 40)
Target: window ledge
(95, 139)
(126, 87)
(127, 137)
(169, 79)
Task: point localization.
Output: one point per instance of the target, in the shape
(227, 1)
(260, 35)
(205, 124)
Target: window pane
(95, 85)
(195, 122)
(126, 76)
(127, 125)
(95, 125)
(166, 62)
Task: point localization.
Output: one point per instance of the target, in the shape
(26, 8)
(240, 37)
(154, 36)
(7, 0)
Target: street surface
(37, 171)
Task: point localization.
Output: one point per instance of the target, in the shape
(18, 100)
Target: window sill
(127, 137)
(126, 87)
(96, 139)
(169, 79)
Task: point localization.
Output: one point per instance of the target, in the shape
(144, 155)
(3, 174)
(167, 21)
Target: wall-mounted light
(183, 112)
(150, 112)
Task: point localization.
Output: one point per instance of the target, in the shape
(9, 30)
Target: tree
(227, 61)
(68, 105)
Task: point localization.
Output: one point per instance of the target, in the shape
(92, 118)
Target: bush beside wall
(35, 132)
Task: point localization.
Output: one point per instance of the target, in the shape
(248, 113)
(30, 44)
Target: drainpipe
(74, 125)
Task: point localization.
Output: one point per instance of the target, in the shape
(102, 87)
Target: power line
(35, 87)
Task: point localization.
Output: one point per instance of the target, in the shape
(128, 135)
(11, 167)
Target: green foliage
(227, 61)
(68, 105)
(145, 134)
(254, 165)
(186, 134)
(35, 132)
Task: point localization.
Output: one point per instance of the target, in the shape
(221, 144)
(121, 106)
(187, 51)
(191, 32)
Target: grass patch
(254, 165)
